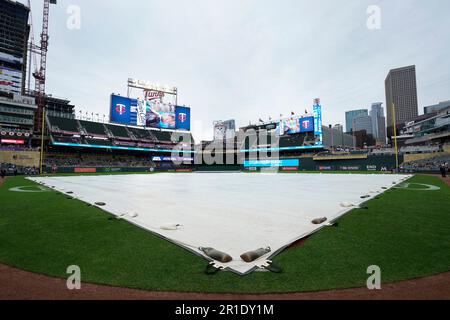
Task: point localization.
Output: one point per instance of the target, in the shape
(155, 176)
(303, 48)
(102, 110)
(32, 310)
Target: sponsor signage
(172, 159)
(272, 163)
(289, 168)
(325, 168)
(350, 168)
(85, 170)
(371, 168)
(11, 141)
(318, 131)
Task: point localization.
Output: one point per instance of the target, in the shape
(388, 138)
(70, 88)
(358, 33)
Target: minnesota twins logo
(121, 109)
(306, 124)
(182, 117)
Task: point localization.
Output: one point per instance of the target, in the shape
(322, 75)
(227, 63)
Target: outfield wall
(367, 163)
(21, 158)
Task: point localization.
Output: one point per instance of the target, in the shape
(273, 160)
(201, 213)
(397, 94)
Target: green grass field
(406, 232)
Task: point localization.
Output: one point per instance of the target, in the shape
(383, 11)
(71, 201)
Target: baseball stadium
(287, 208)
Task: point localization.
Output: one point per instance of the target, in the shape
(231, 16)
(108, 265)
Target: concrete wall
(21, 158)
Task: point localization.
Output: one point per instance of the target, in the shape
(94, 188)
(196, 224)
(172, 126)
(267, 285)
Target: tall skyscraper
(378, 122)
(351, 115)
(13, 45)
(401, 91)
(363, 123)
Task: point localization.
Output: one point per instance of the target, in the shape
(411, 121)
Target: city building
(13, 46)
(401, 92)
(335, 137)
(437, 107)
(363, 123)
(350, 115)
(339, 127)
(378, 123)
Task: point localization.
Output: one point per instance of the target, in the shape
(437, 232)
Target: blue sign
(123, 110)
(307, 124)
(318, 131)
(183, 118)
(271, 163)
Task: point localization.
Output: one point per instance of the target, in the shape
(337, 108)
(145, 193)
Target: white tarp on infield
(231, 212)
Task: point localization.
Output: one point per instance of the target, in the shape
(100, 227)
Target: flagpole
(395, 136)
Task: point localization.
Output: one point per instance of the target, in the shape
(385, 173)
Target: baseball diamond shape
(231, 212)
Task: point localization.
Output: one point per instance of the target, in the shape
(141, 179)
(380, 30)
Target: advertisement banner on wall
(183, 118)
(272, 163)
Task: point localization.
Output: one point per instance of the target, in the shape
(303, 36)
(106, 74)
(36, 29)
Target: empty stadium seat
(94, 128)
(118, 131)
(63, 124)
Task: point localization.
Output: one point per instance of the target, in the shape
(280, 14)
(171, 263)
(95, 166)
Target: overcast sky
(247, 59)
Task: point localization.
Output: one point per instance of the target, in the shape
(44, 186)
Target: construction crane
(40, 75)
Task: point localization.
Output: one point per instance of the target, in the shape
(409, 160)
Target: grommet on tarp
(270, 266)
(255, 255)
(365, 197)
(212, 269)
(319, 220)
(119, 217)
(170, 226)
(347, 205)
(216, 254)
(101, 204)
(69, 192)
(333, 224)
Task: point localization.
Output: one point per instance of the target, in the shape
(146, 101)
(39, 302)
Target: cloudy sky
(247, 59)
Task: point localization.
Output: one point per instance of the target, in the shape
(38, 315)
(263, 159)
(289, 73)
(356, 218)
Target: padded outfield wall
(371, 163)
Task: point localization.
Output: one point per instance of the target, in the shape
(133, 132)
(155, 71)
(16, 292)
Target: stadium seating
(98, 142)
(96, 160)
(142, 134)
(66, 139)
(93, 128)
(162, 136)
(119, 132)
(426, 165)
(63, 125)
